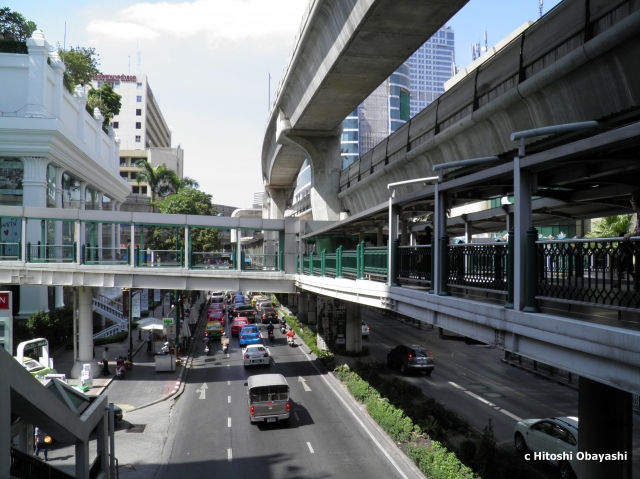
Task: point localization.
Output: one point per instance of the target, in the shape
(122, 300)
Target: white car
(365, 330)
(555, 437)
(255, 354)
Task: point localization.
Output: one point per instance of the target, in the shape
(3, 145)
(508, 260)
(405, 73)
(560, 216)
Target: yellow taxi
(214, 329)
(255, 298)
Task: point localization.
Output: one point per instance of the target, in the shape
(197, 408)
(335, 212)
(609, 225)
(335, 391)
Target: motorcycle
(207, 349)
(283, 328)
(225, 348)
(290, 340)
(120, 368)
(271, 336)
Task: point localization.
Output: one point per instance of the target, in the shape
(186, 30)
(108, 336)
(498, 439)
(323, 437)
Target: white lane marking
(203, 391)
(358, 420)
(512, 416)
(304, 383)
(228, 365)
(229, 455)
(229, 399)
(228, 382)
(481, 399)
(310, 448)
(384, 345)
(488, 403)
(229, 422)
(296, 416)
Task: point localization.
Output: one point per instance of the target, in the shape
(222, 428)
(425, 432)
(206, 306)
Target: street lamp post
(131, 294)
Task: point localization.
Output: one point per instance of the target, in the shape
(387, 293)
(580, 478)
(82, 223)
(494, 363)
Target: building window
(138, 112)
(115, 125)
(135, 190)
(139, 99)
(138, 139)
(139, 86)
(143, 190)
(138, 125)
(123, 161)
(124, 175)
(134, 175)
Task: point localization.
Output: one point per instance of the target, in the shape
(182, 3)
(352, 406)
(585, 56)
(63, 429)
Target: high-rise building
(379, 115)
(140, 124)
(431, 65)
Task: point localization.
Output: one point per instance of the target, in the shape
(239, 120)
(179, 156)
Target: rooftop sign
(124, 78)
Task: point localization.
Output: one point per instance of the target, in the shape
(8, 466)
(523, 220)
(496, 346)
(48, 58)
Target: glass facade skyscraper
(431, 65)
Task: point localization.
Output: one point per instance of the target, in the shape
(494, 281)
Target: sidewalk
(142, 386)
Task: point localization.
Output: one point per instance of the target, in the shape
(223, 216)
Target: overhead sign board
(6, 321)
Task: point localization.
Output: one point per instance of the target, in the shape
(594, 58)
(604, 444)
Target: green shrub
(398, 426)
(116, 338)
(467, 452)
(361, 391)
(144, 313)
(13, 46)
(438, 463)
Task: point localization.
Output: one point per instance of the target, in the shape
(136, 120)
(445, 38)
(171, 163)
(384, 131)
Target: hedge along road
(473, 382)
(327, 436)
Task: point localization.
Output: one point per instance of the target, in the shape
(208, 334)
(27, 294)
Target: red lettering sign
(4, 300)
(122, 78)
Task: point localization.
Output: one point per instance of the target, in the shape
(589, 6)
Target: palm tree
(611, 226)
(156, 178)
(174, 184)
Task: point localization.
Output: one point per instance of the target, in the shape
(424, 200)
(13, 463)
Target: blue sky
(208, 63)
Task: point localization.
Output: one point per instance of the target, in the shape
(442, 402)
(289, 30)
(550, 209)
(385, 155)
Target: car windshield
(252, 330)
(240, 323)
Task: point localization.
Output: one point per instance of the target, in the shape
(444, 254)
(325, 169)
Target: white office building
(431, 66)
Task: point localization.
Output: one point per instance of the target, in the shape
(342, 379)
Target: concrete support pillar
(99, 225)
(323, 153)
(393, 231)
(81, 96)
(353, 328)
(278, 198)
(239, 264)
(440, 227)
(467, 231)
(116, 207)
(303, 307)
(57, 229)
(82, 460)
(83, 206)
(404, 233)
(379, 237)
(34, 184)
(85, 334)
(522, 180)
(312, 318)
(608, 433)
(5, 425)
(37, 78)
(58, 69)
(98, 118)
(102, 444)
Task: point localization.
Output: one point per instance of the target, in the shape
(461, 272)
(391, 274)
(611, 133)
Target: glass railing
(158, 258)
(212, 260)
(51, 253)
(10, 251)
(105, 256)
(260, 262)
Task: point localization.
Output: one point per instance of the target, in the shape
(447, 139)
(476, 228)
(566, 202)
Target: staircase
(111, 309)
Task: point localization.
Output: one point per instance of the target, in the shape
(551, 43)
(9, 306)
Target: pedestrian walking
(105, 362)
(41, 445)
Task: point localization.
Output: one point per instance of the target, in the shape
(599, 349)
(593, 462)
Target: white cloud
(215, 19)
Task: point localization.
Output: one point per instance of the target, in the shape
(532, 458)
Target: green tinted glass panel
(404, 105)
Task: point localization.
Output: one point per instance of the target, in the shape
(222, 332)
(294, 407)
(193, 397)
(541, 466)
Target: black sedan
(268, 314)
(411, 358)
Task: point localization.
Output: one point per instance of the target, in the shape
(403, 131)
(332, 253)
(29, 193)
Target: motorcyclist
(224, 340)
(270, 328)
(290, 335)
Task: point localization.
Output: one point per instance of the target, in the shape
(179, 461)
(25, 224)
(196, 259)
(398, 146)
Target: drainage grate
(137, 428)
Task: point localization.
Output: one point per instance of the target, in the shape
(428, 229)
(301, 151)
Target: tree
(611, 226)
(187, 201)
(81, 65)
(158, 179)
(106, 100)
(175, 184)
(13, 26)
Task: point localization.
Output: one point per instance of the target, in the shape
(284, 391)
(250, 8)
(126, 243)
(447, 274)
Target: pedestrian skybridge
(88, 251)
